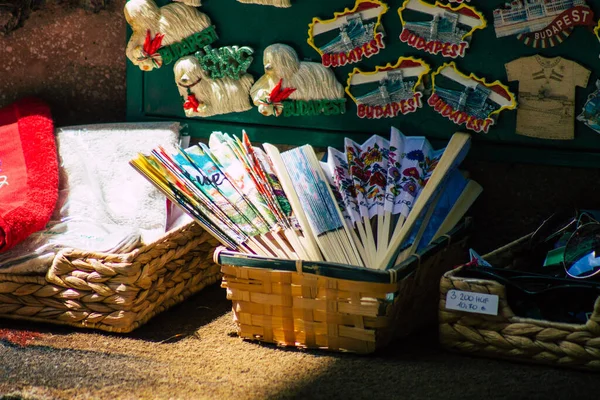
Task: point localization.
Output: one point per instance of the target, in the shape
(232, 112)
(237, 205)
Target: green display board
(154, 95)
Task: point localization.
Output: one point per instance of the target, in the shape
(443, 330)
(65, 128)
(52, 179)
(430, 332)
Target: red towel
(28, 170)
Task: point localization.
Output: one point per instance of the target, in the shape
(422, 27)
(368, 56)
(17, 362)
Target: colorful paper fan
(367, 166)
(290, 205)
(455, 198)
(377, 185)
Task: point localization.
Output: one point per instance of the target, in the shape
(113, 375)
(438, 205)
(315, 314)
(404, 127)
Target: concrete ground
(192, 352)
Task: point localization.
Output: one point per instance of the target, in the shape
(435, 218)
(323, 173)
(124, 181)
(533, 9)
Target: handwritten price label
(477, 303)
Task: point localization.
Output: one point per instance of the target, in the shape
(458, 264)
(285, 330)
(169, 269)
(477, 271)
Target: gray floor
(192, 351)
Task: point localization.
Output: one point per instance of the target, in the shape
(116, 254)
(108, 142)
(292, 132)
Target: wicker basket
(332, 306)
(114, 292)
(508, 336)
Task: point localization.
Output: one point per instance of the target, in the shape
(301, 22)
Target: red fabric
(28, 170)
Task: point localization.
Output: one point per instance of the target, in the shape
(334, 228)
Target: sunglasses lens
(582, 252)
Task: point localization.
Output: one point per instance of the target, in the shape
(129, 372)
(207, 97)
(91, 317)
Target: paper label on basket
(477, 303)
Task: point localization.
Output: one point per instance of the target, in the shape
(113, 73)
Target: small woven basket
(114, 292)
(336, 307)
(511, 337)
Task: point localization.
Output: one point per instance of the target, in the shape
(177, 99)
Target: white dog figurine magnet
(291, 87)
(204, 96)
(162, 35)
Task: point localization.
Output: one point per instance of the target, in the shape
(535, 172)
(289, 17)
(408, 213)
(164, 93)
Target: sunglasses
(567, 247)
(582, 252)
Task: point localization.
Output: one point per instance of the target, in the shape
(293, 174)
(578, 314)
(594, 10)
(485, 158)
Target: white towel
(97, 182)
(104, 205)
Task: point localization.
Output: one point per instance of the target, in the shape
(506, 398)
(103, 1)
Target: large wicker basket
(511, 337)
(336, 307)
(114, 292)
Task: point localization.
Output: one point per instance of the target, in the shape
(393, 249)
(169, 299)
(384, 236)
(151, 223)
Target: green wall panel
(154, 96)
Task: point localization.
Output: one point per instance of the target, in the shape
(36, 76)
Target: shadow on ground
(181, 321)
(186, 318)
(417, 368)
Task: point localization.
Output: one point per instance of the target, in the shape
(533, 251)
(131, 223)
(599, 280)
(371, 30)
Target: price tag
(477, 303)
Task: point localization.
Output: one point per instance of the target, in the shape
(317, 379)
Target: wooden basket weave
(114, 292)
(508, 336)
(332, 306)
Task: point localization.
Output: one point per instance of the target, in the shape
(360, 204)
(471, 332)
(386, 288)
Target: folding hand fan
(450, 158)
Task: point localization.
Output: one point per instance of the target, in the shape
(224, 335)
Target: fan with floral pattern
(378, 184)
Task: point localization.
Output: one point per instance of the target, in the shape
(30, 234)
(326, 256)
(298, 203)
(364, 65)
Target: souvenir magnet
(437, 28)
(468, 100)
(276, 3)
(291, 87)
(541, 23)
(162, 35)
(350, 35)
(205, 96)
(390, 90)
(546, 95)
(590, 114)
(228, 61)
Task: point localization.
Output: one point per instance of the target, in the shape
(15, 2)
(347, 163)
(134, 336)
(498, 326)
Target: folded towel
(104, 205)
(97, 182)
(28, 170)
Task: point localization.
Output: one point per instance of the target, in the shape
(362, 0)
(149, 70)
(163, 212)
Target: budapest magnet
(439, 29)
(468, 100)
(542, 23)
(390, 90)
(350, 35)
